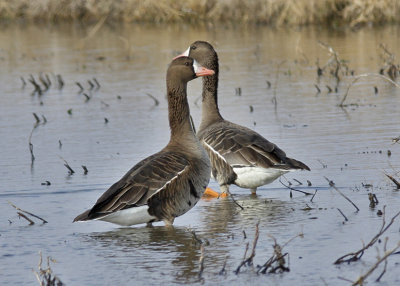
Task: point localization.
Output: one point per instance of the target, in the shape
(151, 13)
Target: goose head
(204, 53)
(186, 69)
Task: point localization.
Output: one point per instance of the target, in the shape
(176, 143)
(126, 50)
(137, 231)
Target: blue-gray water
(349, 146)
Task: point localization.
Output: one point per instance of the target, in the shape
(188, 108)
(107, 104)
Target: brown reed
(273, 12)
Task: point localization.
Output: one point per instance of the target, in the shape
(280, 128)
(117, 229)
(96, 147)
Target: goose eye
(187, 64)
(193, 47)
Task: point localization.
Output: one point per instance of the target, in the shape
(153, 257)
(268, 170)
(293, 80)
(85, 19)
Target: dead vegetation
(360, 281)
(44, 82)
(294, 189)
(249, 261)
(355, 256)
(396, 182)
(336, 66)
(277, 263)
(21, 212)
(36, 125)
(390, 68)
(332, 184)
(278, 12)
(45, 276)
(341, 104)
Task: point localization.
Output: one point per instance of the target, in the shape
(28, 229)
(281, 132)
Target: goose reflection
(152, 249)
(223, 217)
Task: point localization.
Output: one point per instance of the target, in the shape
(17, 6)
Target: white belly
(253, 177)
(131, 216)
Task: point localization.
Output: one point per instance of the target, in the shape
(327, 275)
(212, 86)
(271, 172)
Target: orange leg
(210, 193)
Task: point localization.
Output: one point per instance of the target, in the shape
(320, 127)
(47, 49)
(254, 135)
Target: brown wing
(142, 182)
(242, 146)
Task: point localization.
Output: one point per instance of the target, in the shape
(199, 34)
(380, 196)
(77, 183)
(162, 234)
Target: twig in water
(85, 170)
(373, 200)
(355, 256)
(80, 87)
(45, 83)
(361, 279)
(197, 239)
(274, 98)
(23, 82)
(243, 261)
(277, 261)
(70, 170)
(156, 102)
(334, 61)
(46, 276)
(37, 118)
(234, 200)
(341, 104)
(37, 123)
(345, 218)
(313, 195)
(31, 222)
(332, 184)
(390, 66)
(397, 183)
(298, 182)
(97, 83)
(293, 189)
(87, 97)
(249, 260)
(60, 82)
(396, 140)
(31, 214)
(201, 261)
(37, 87)
(238, 91)
(384, 268)
(90, 84)
(223, 271)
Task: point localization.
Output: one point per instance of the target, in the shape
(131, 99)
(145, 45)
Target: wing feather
(239, 145)
(143, 181)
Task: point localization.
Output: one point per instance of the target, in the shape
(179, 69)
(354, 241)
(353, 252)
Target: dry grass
(274, 12)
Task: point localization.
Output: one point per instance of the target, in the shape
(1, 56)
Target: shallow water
(348, 146)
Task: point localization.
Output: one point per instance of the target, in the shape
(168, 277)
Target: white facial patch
(186, 53)
(196, 66)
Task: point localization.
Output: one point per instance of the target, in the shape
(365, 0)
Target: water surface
(349, 146)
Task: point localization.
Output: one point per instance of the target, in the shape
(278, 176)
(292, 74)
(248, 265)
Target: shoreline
(331, 13)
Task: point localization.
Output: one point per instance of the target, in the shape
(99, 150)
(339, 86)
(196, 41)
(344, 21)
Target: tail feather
(295, 164)
(83, 216)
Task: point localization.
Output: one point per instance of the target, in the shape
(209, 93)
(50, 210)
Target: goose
(169, 183)
(238, 154)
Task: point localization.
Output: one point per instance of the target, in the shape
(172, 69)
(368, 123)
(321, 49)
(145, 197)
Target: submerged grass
(274, 12)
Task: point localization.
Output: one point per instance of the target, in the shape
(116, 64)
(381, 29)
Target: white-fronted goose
(170, 182)
(238, 154)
